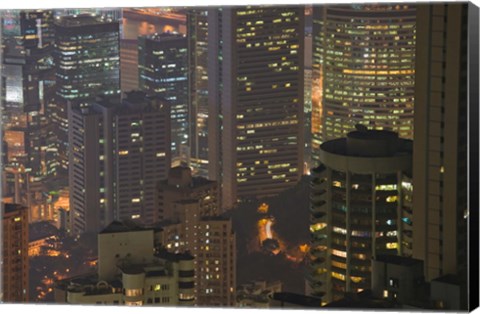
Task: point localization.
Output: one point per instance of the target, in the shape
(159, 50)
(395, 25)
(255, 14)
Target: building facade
(197, 34)
(194, 226)
(356, 209)
(14, 264)
(118, 153)
(128, 65)
(363, 69)
(131, 272)
(27, 85)
(162, 70)
(255, 95)
(440, 147)
(87, 64)
(181, 185)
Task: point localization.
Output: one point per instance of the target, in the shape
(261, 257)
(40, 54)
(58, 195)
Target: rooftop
(398, 260)
(9, 208)
(369, 143)
(165, 36)
(362, 300)
(297, 299)
(79, 20)
(122, 226)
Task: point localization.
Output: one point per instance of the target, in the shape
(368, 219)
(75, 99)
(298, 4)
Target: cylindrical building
(356, 209)
(363, 69)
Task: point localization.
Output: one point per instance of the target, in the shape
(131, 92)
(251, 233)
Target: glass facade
(363, 70)
(162, 70)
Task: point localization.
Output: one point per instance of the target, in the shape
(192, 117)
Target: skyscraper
(27, 73)
(128, 65)
(87, 65)
(118, 153)
(14, 263)
(363, 69)
(162, 70)
(440, 146)
(357, 206)
(256, 100)
(197, 33)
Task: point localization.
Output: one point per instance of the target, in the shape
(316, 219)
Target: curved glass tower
(363, 70)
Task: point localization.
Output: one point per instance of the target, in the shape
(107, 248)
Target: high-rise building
(197, 33)
(118, 153)
(193, 225)
(440, 171)
(211, 240)
(162, 70)
(132, 270)
(363, 69)
(87, 65)
(255, 79)
(357, 206)
(181, 185)
(27, 76)
(128, 65)
(14, 263)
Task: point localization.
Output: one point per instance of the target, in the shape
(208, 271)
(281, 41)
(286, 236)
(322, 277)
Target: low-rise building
(257, 294)
(131, 271)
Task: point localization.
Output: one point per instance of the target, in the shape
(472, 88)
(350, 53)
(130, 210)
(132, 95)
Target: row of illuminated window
(267, 124)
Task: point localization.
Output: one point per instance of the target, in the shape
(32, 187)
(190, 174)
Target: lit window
(338, 276)
(391, 199)
(392, 245)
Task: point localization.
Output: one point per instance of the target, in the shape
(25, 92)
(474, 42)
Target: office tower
(356, 209)
(197, 34)
(87, 65)
(307, 107)
(193, 225)
(162, 70)
(131, 271)
(440, 146)
(27, 75)
(128, 65)
(255, 100)
(180, 185)
(118, 153)
(14, 263)
(363, 69)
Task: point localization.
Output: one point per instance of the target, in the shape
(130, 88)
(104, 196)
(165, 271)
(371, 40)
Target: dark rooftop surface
(79, 20)
(450, 279)
(297, 299)
(362, 300)
(11, 208)
(398, 260)
(122, 226)
(41, 229)
(165, 36)
(174, 257)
